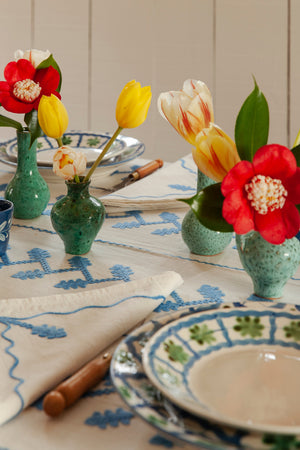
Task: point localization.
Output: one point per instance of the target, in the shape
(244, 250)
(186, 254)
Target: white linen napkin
(159, 190)
(46, 339)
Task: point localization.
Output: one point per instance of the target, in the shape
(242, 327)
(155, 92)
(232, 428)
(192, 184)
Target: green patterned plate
(238, 367)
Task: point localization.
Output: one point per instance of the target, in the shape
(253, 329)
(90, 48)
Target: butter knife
(138, 174)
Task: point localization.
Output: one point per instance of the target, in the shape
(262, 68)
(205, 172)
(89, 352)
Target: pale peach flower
(189, 110)
(67, 163)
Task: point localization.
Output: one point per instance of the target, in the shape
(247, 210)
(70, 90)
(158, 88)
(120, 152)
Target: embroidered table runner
(134, 243)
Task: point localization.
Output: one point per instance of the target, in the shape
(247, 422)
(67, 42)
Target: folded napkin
(159, 190)
(46, 339)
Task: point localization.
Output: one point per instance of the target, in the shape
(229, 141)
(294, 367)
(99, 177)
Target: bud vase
(269, 266)
(28, 190)
(77, 218)
(199, 239)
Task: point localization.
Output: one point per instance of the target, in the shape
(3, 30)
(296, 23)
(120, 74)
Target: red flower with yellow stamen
(262, 195)
(25, 85)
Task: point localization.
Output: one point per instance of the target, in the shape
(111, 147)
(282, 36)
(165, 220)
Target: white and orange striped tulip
(215, 153)
(189, 111)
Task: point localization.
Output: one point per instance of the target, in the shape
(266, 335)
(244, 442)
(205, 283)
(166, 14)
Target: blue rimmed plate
(175, 423)
(124, 148)
(239, 367)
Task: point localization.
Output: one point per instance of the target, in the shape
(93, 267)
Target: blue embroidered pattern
(77, 264)
(211, 294)
(109, 418)
(167, 219)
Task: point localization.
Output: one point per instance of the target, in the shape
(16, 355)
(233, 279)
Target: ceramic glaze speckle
(77, 218)
(27, 190)
(270, 266)
(199, 239)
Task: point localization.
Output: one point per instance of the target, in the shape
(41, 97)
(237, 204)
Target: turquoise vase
(199, 239)
(269, 266)
(28, 190)
(77, 218)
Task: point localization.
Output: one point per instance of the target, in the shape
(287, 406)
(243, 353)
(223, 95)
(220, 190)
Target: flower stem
(102, 154)
(59, 141)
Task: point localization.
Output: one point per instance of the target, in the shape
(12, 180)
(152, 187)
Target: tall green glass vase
(77, 218)
(199, 239)
(28, 190)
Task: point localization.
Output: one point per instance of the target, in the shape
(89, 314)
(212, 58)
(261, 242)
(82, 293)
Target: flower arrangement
(32, 75)
(257, 184)
(131, 111)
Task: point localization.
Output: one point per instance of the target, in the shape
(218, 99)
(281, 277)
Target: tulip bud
(133, 104)
(52, 116)
(215, 153)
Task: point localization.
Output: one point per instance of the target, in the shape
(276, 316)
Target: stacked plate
(225, 376)
(124, 149)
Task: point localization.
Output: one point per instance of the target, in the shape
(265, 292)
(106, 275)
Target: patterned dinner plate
(238, 367)
(269, 324)
(124, 148)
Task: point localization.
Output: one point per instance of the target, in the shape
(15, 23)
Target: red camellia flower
(25, 85)
(262, 195)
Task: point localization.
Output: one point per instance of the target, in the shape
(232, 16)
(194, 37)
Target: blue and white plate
(270, 325)
(124, 148)
(238, 367)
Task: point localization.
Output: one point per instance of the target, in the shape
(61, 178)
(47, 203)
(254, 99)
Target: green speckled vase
(28, 190)
(77, 218)
(269, 266)
(199, 239)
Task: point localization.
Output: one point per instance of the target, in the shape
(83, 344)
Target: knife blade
(137, 174)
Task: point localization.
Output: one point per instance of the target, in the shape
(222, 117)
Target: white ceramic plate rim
(130, 148)
(192, 406)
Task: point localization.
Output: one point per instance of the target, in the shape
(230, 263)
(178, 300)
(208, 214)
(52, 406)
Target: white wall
(101, 45)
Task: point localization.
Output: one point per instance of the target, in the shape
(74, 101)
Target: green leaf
(7, 122)
(252, 125)
(296, 153)
(50, 61)
(207, 206)
(31, 120)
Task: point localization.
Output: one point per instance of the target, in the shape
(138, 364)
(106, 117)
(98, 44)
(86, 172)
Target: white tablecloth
(132, 244)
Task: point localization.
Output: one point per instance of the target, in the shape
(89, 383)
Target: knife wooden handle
(74, 387)
(147, 169)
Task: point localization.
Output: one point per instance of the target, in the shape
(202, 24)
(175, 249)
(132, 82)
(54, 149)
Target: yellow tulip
(52, 116)
(189, 110)
(215, 153)
(133, 104)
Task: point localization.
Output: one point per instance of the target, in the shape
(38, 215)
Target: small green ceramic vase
(199, 239)
(269, 266)
(77, 218)
(28, 190)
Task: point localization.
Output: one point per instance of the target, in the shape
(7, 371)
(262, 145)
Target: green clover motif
(281, 442)
(66, 140)
(125, 392)
(293, 330)
(126, 358)
(39, 145)
(152, 392)
(167, 375)
(155, 421)
(202, 334)
(249, 325)
(176, 352)
(92, 142)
